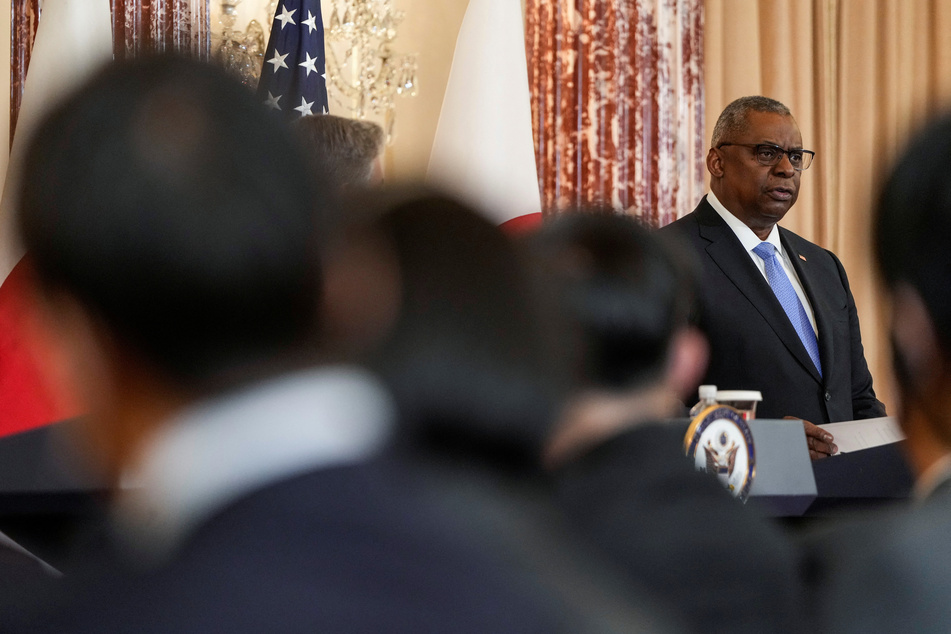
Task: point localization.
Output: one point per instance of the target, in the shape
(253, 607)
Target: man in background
(776, 308)
(892, 571)
(347, 152)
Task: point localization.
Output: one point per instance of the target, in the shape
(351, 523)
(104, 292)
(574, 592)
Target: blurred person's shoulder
(396, 543)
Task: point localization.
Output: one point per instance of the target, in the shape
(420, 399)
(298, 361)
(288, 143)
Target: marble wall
(617, 104)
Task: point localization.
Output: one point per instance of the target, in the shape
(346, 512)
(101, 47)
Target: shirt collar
(747, 238)
(221, 449)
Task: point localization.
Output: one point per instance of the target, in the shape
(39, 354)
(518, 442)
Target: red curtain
(617, 104)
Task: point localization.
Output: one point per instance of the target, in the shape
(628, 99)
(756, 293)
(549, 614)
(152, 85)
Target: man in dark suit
(618, 460)
(776, 308)
(892, 571)
(176, 235)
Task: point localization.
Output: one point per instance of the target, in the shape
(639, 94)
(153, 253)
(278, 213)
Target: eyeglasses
(769, 154)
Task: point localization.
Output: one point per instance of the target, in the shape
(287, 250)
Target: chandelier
(242, 53)
(365, 73)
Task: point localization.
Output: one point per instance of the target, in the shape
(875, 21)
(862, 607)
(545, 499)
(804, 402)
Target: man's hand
(818, 440)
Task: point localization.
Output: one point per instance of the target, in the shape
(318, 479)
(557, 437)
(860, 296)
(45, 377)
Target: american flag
(294, 78)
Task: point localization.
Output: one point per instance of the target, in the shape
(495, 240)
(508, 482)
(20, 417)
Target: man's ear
(715, 163)
(361, 296)
(916, 342)
(923, 374)
(122, 398)
(686, 362)
(74, 354)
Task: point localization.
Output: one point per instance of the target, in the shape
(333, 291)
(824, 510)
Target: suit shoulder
(801, 245)
(682, 224)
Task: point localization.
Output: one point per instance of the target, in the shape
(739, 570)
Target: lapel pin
(802, 257)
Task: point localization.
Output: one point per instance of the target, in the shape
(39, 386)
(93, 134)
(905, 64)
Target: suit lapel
(728, 254)
(820, 308)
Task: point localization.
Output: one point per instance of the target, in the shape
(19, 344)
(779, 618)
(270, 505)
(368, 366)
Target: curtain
(24, 20)
(138, 26)
(859, 77)
(617, 104)
(161, 25)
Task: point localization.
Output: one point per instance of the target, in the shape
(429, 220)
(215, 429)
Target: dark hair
(178, 211)
(912, 230)
(625, 290)
(470, 359)
(343, 149)
(735, 117)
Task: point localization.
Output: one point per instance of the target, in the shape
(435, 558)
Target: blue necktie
(787, 297)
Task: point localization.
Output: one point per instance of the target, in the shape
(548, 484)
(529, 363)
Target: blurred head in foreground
(629, 297)
(345, 151)
(470, 357)
(912, 240)
(175, 257)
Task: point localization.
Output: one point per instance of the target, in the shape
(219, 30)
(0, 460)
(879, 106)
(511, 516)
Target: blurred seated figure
(469, 353)
(177, 236)
(475, 366)
(891, 570)
(345, 151)
(618, 461)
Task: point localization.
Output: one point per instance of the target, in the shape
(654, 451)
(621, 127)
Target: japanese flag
(73, 39)
(483, 151)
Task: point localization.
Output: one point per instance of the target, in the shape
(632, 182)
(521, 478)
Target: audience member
(473, 363)
(777, 309)
(891, 571)
(619, 463)
(176, 237)
(470, 346)
(346, 151)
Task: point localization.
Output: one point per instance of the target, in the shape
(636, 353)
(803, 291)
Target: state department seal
(727, 448)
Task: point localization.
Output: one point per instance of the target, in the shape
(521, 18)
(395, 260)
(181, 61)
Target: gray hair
(734, 118)
(343, 149)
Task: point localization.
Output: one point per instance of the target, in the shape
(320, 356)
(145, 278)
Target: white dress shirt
(224, 448)
(750, 241)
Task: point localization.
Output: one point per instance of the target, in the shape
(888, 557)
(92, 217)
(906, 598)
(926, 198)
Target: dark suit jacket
(374, 547)
(753, 344)
(710, 560)
(889, 571)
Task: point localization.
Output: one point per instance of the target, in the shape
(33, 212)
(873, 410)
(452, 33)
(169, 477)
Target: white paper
(855, 435)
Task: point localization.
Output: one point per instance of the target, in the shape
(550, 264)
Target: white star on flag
(305, 80)
(285, 17)
(304, 107)
(310, 64)
(272, 101)
(311, 22)
(278, 60)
